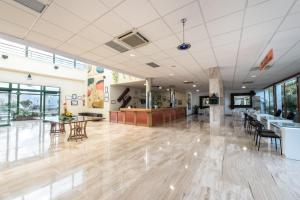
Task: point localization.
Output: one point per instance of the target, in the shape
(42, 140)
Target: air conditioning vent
(33, 5)
(254, 69)
(133, 39)
(152, 64)
(116, 46)
(248, 82)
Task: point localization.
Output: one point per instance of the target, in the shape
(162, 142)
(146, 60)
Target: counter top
(286, 124)
(147, 110)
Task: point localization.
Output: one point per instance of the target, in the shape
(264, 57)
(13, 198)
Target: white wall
(71, 81)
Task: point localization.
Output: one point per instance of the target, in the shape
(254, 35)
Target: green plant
(115, 77)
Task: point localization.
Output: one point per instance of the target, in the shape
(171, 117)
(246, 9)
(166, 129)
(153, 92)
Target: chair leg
(275, 143)
(259, 143)
(280, 146)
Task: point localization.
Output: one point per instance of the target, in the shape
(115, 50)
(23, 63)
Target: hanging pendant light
(29, 78)
(183, 45)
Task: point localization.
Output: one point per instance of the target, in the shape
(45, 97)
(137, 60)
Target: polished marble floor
(181, 160)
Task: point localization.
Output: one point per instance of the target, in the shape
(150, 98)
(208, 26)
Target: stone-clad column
(172, 96)
(148, 93)
(216, 112)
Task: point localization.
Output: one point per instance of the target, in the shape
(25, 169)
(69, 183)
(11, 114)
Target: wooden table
(77, 126)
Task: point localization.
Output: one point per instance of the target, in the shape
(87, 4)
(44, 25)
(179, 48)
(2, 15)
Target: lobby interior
(149, 99)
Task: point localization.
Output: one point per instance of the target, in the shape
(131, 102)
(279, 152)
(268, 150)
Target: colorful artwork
(95, 70)
(95, 92)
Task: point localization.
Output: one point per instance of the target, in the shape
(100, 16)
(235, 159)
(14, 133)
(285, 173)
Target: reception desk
(146, 117)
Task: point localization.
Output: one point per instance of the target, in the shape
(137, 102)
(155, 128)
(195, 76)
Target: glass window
(61, 60)
(290, 87)
(55, 89)
(30, 104)
(269, 100)
(7, 47)
(51, 104)
(4, 85)
(4, 108)
(30, 87)
(81, 65)
(40, 55)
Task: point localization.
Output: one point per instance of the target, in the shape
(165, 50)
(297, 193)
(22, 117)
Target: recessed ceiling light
(159, 87)
(253, 76)
(171, 74)
(197, 90)
(194, 85)
(243, 87)
(132, 55)
(168, 89)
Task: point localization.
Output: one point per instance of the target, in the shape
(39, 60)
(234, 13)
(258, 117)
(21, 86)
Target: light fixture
(29, 78)
(197, 90)
(171, 74)
(183, 45)
(168, 89)
(253, 76)
(159, 87)
(132, 55)
(194, 85)
(4, 56)
(243, 87)
(172, 187)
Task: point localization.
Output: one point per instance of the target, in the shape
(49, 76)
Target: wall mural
(95, 93)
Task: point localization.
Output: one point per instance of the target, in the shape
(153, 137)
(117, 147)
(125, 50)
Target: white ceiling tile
(225, 24)
(159, 56)
(61, 17)
(166, 6)
(111, 3)
(167, 42)
(226, 38)
(213, 9)
(94, 34)
(148, 49)
(174, 52)
(296, 8)
(42, 39)
(292, 21)
(51, 30)
(88, 9)
(206, 58)
(200, 46)
(259, 31)
(266, 11)
(254, 2)
(113, 24)
(67, 48)
(90, 56)
(151, 33)
(194, 34)
(81, 43)
(16, 16)
(12, 29)
(104, 51)
(136, 12)
(168, 62)
(191, 12)
(226, 55)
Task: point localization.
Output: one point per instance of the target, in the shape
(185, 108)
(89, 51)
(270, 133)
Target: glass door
(51, 102)
(4, 108)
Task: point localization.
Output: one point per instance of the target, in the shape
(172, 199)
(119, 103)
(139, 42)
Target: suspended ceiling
(232, 34)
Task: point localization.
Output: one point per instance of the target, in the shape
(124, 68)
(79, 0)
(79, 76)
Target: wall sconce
(29, 78)
(4, 56)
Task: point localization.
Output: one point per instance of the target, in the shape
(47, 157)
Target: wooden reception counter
(146, 117)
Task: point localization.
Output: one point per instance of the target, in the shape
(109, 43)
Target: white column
(148, 93)
(216, 112)
(172, 96)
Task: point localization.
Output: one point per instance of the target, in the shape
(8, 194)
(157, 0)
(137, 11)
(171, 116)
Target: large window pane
(61, 60)
(4, 108)
(291, 95)
(51, 104)
(7, 47)
(29, 105)
(40, 55)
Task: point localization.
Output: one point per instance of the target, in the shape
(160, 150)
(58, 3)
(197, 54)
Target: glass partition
(269, 100)
(290, 88)
(4, 108)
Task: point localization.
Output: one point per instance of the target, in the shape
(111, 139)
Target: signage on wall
(267, 59)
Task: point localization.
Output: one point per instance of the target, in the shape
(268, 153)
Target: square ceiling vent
(133, 39)
(33, 5)
(152, 64)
